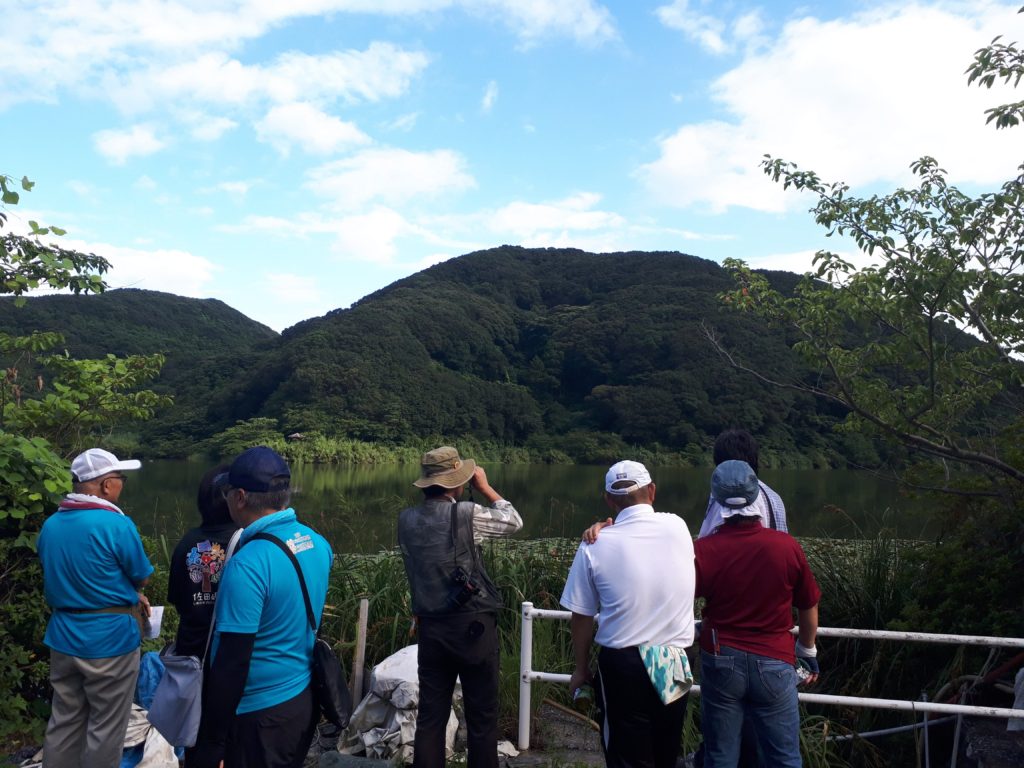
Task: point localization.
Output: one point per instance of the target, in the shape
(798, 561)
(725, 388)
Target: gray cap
(734, 485)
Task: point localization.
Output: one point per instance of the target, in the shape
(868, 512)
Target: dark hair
(736, 444)
(212, 506)
(261, 500)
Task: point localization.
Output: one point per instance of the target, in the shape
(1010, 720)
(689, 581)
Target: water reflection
(356, 507)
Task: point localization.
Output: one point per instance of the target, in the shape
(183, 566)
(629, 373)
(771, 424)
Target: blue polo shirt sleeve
(134, 563)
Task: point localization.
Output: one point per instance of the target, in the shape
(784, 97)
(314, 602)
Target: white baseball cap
(633, 472)
(96, 462)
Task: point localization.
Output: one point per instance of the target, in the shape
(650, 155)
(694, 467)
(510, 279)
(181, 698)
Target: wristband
(804, 652)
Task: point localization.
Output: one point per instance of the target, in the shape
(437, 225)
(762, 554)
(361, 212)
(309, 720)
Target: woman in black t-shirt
(196, 567)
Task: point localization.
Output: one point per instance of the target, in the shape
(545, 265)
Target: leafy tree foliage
(27, 263)
(49, 406)
(887, 342)
(887, 338)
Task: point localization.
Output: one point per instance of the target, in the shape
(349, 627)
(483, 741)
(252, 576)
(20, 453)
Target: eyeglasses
(122, 478)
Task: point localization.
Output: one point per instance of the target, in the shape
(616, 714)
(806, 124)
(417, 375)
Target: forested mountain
(556, 349)
(564, 352)
(204, 340)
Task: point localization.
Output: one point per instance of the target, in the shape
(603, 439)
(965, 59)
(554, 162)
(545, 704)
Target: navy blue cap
(734, 484)
(260, 469)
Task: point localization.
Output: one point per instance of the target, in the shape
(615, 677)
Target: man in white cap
(93, 568)
(751, 578)
(639, 576)
(455, 603)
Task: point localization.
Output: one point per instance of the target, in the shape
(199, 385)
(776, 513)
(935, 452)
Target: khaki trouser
(92, 699)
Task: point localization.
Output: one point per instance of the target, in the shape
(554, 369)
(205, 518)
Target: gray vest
(433, 549)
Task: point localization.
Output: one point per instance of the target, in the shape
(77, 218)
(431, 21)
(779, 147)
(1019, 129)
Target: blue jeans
(736, 685)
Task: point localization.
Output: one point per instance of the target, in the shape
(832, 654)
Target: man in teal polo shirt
(258, 707)
(93, 566)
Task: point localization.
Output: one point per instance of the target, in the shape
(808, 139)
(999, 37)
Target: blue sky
(290, 158)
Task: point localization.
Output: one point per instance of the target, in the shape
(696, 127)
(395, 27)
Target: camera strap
(455, 534)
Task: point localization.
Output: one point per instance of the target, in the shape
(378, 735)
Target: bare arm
(479, 483)
(582, 629)
(805, 647)
(808, 618)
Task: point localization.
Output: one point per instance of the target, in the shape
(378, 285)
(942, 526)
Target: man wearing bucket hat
(93, 568)
(751, 578)
(455, 603)
(639, 576)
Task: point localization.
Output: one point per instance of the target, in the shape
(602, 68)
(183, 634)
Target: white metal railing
(527, 674)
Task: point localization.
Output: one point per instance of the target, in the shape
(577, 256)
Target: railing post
(525, 667)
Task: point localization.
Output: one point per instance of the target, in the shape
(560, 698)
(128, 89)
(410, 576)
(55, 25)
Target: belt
(126, 610)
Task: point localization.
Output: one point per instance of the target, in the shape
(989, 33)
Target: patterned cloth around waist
(669, 670)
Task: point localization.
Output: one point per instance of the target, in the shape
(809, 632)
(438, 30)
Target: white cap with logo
(628, 475)
(96, 462)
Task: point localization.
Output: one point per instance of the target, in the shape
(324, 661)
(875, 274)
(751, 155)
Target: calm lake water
(356, 507)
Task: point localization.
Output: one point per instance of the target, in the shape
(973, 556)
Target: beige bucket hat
(443, 466)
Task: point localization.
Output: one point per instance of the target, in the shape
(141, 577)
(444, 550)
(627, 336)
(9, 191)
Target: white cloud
(490, 97)
(800, 262)
(118, 146)
(749, 28)
(82, 188)
(390, 175)
(526, 220)
(134, 52)
(207, 127)
(309, 128)
(381, 71)
(402, 123)
(585, 21)
(298, 289)
(855, 99)
(701, 27)
(144, 182)
(237, 188)
(370, 236)
(155, 269)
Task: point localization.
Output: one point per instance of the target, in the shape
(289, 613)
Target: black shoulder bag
(330, 688)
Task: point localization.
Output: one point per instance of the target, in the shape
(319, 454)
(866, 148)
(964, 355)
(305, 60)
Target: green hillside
(204, 340)
(558, 350)
(569, 354)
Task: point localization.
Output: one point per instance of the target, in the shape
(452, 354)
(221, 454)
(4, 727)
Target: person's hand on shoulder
(590, 535)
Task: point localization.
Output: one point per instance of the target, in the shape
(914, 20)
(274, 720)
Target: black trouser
(275, 737)
(638, 729)
(463, 645)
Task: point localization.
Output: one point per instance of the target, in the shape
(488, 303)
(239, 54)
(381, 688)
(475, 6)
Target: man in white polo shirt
(639, 576)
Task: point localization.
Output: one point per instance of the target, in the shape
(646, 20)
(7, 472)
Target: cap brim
(746, 511)
(627, 490)
(452, 479)
(126, 465)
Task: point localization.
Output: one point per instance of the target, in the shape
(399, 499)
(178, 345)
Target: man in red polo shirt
(752, 578)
